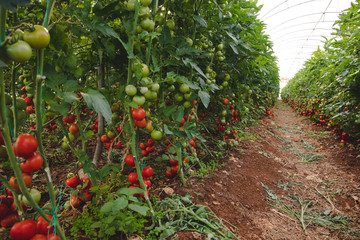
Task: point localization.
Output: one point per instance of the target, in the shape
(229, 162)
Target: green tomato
(65, 145)
(189, 41)
(187, 104)
(225, 84)
(227, 77)
(170, 24)
(221, 46)
(144, 11)
(146, 81)
(139, 100)
(35, 194)
(148, 24)
(178, 97)
(144, 70)
(184, 88)
(171, 88)
(144, 90)
(39, 38)
(156, 135)
(130, 90)
(146, 2)
(187, 96)
(155, 87)
(131, 5)
(221, 87)
(19, 51)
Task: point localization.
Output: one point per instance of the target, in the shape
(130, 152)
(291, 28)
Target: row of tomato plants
(326, 89)
(130, 74)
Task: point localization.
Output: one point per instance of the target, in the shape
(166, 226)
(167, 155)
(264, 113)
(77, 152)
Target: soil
(300, 165)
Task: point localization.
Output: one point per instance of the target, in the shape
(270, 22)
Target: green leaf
(192, 85)
(167, 130)
(205, 98)
(188, 61)
(187, 50)
(11, 4)
(63, 108)
(165, 37)
(70, 97)
(170, 110)
(200, 20)
(71, 85)
(107, 207)
(110, 231)
(2, 64)
(233, 47)
(96, 225)
(179, 114)
(89, 134)
(119, 204)
(132, 104)
(129, 191)
(140, 209)
(98, 102)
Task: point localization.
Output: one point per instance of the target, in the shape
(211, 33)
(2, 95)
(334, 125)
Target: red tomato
(27, 179)
(9, 220)
(39, 237)
(147, 172)
(138, 114)
(72, 182)
(87, 183)
(119, 145)
(147, 183)
(52, 236)
(23, 230)
(150, 149)
(174, 170)
(141, 123)
(30, 109)
(150, 143)
(3, 210)
(225, 101)
(71, 118)
(133, 178)
(142, 146)
(75, 201)
(105, 139)
(25, 145)
(33, 164)
(192, 143)
(42, 226)
(87, 195)
(74, 128)
(173, 162)
(129, 160)
(168, 173)
(13, 207)
(144, 153)
(6, 199)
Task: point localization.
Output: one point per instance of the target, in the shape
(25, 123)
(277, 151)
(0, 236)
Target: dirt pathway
(290, 180)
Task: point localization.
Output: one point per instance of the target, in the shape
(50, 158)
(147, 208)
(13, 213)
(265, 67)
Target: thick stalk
(15, 127)
(99, 143)
(82, 135)
(180, 167)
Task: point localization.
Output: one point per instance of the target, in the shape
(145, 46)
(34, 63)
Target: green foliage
(330, 80)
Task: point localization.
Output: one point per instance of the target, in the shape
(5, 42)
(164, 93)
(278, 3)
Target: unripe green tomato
(224, 113)
(184, 88)
(171, 88)
(227, 77)
(144, 11)
(115, 107)
(35, 194)
(178, 97)
(170, 24)
(187, 96)
(39, 38)
(115, 117)
(130, 90)
(208, 81)
(64, 145)
(225, 84)
(221, 46)
(131, 5)
(139, 100)
(208, 69)
(155, 87)
(144, 70)
(159, 19)
(144, 90)
(223, 120)
(146, 81)
(146, 2)
(148, 24)
(71, 137)
(19, 51)
(190, 41)
(156, 135)
(221, 87)
(187, 104)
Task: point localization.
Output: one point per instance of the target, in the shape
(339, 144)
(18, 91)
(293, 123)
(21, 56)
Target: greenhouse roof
(298, 27)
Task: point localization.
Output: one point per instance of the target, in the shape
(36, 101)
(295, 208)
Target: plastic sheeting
(298, 27)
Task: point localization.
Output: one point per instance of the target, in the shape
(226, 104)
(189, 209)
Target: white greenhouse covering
(296, 28)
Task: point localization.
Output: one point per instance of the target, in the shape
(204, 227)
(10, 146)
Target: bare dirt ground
(291, 180)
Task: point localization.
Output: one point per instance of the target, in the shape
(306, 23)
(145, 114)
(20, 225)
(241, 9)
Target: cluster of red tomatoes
(82, 186)
(29, 102)
(30, 229)
(147, 172)
(268, 112)
(147, 148)
(109, 138)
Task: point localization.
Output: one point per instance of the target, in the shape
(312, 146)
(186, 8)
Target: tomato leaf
(69, 97)
(167, 130)
(204, 97)
(140, 209)
(107, 207)
(129, 191)
(200, 20)
(11, 4)
(63, 108)
(119, 204)
(98, 102)
(179, 114)
(170, 110)
(188, 61)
